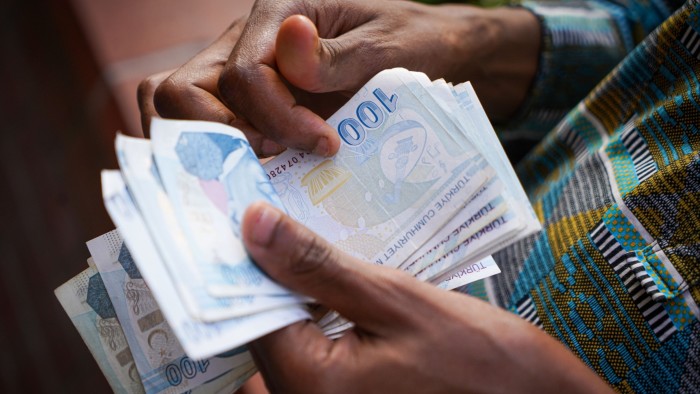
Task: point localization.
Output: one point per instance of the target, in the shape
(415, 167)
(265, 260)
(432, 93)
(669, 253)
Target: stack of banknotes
(169, 300)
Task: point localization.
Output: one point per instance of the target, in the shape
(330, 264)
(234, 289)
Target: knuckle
(145, 89)
(239, 86)
(167, 97)
(148, 86)
(230, 80)
(334, 49)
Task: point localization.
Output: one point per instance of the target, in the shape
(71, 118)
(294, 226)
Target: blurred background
(69, 71)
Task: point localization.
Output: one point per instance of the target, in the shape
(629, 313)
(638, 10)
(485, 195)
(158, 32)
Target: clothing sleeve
(581, 43)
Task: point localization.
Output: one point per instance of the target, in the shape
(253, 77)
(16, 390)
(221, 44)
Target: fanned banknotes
(420, 183)
(86, 302)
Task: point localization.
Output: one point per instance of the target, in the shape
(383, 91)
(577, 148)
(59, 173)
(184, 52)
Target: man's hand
(279, 73)
(410, 337)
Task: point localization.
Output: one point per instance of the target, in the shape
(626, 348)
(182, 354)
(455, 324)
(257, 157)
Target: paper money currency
(211, 175)
(138, 169)
(199, 339)
(85, 300)
(481, 269)
(87, 303)
(485, 206)
(160, 360)
(398, 177)
(420, 183)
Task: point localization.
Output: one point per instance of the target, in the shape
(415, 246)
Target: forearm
(497, 50)
(506, 73)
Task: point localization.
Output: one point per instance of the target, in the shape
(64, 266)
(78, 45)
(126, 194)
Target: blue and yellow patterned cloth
(615, 274)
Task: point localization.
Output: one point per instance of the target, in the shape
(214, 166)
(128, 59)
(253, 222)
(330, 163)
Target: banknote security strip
(170, 299)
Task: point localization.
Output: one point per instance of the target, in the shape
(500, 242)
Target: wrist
(500, 51)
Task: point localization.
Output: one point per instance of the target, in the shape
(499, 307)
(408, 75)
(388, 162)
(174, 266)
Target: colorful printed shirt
(581, 43)
(615, 274)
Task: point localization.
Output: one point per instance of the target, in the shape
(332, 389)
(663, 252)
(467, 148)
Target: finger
(373, 297)
(298, 53)
(291, 356)
(191, 91)
(252, 88)
(144, 96)
(258, 94)
(261, 144)
(324, 65)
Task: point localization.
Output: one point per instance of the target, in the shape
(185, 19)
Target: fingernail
(265, 226)
(321, 148)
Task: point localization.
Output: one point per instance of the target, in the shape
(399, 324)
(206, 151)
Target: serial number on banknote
(282, 168)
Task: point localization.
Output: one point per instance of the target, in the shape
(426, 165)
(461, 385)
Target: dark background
(60, 105)
(53, 111)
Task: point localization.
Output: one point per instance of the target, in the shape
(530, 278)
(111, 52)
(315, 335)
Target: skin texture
(410, 337)
(278, 73)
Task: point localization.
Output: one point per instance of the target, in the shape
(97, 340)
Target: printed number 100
(186, 368)
(352, 130)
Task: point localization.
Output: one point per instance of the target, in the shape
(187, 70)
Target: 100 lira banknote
(85, 300)
(158, 356)
(398, 177)
(420, 183)
(199, 339)
(138, 168)
(210, 175)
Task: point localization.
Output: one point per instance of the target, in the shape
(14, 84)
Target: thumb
(371, 296)
(320, 65)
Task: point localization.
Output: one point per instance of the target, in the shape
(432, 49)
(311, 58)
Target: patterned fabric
(582, 40)
(615, 274)
(581, 43)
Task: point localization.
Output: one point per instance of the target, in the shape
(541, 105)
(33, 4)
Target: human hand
(278, 74)
(409, 336)
(191, 92)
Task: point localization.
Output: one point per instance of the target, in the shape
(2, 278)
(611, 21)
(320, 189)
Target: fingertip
(144, 97)
(297, 52)
(313, 133)
(327, 145)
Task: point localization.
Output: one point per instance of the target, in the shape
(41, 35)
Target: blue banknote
(211, 175)
(199, 339)
(160, 360)
(85, 300)
(398, 177)
(139, 170)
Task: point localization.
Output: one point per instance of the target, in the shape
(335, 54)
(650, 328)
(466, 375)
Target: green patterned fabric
(615, 274)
